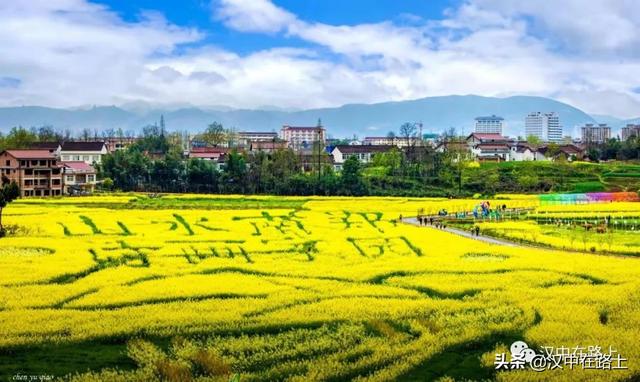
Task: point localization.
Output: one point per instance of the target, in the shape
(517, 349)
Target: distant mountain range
(436, 113)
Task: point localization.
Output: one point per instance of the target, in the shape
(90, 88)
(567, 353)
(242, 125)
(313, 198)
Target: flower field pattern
(125, 288)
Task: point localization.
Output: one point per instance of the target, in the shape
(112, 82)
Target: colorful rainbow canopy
(589, 197)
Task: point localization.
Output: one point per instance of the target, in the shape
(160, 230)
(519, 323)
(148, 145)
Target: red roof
(209, 150)
(489, 146)
(482, 136)
(76, 166)
(31, 154)
(302, 127)
(206, 155)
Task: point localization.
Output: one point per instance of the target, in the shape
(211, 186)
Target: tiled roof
(79, 166)
(82, 146)
(45, 146)
(482, 136)
(31, 154)
(353, 149)
(314, 128)
(485, 146)
(209, 150)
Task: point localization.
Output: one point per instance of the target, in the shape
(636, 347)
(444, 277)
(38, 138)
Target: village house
(246, 138)
(364, 153)
(114, 144)
(489, 147)
(36, 172)
(267, 146)
(217, 155)
(79, 177)
(88, 152)
(523, 151)
(52, 147)
(569, 152)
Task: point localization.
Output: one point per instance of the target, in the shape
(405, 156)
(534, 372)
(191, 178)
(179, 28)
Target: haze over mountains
(436, 114)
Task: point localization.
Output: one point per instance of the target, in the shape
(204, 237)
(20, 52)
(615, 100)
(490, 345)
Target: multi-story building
(266, 146)
(37, 172)
(392, 141)
(299, 137)
(595, 134)
(114, 144)
(489, 125)
(88, 152)
(245, 138)
(629, 131)
(544, 126)
(79, 177)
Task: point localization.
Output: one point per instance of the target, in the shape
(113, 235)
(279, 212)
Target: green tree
(8, 193)
(214, 135)
(235, 172)
(19, 138)
(533, 140)
(351, 180)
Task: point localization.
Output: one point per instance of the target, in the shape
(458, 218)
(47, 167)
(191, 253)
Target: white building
(544, 126)
(489, 125)
(392, 141)
(88, 152)
(364, 153)
(523, 151)
(302, 137)
(246, 137)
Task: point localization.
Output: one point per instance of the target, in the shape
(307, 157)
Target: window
(85, 158)
(91, 178)
(66, 157)
(8, 162)
(69, 179)
(76, 158)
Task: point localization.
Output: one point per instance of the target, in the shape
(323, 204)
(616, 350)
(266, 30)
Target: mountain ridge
(436, 113)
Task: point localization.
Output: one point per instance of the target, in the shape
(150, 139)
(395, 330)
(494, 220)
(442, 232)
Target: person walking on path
(477, 230)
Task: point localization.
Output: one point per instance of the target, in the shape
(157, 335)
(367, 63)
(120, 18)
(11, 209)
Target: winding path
(468, 235)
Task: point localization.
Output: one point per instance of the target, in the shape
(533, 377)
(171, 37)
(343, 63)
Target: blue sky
(197, 13)
(297, 54)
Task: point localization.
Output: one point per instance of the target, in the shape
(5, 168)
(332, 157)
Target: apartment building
(629, 131)
(299, 137)
(595, 134)
(37, 172)
(489, 125)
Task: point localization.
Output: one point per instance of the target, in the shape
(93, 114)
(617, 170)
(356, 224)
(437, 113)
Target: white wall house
(521, 152)
(87, 152)
(364, 153)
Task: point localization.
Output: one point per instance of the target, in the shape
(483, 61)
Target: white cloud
(71, 52)
(252, 15)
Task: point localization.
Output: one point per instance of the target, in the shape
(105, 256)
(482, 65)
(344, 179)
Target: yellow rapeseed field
(312, 289)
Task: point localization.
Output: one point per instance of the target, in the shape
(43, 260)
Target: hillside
(436, 113)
